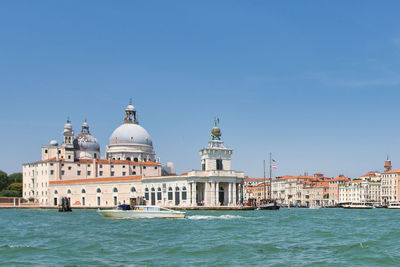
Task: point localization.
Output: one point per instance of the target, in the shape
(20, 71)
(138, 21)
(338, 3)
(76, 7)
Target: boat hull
(271, 206)
(134, 214)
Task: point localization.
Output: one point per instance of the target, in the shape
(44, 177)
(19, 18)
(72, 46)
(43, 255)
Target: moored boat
(141, 212)
(355, 205)
(269, 206)
(394, 205)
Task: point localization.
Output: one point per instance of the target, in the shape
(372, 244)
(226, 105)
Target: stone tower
(388, 165)
(215, 157)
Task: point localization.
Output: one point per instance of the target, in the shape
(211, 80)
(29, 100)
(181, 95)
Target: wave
(223, 217)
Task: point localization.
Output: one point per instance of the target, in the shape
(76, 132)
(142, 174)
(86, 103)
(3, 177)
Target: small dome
(53, 143)
(130, 107)
(87, 142)
(130, 133)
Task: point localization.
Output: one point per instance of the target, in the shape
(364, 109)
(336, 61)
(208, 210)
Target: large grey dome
(130, 133)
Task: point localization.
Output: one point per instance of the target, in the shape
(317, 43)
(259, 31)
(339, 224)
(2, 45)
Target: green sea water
(296, 237)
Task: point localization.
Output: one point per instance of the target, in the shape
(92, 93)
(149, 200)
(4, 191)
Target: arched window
(83, 191)
(69, 191)
(152, 189)
(184, 193)
(133, 189)
(55, 192)
(115, 190)
(159, 195)
(177, 189)
(146, 194)
(135, 159)
(169, 193)
(98, 190)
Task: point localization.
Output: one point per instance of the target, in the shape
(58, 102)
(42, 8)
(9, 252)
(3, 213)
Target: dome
(130, 133)
(86, 141)
(53, 143)
(130, 107)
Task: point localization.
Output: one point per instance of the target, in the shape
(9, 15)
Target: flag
(274, 167)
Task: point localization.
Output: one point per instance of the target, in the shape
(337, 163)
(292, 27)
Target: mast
(270, 175)
(265, 185)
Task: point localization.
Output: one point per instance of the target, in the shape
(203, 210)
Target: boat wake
(223, 217)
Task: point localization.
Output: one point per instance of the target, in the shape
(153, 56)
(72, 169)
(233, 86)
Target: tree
(9, 193)
(17, 187)
(3, 180)
(15, 177)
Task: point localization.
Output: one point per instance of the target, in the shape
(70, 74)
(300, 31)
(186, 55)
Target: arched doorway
(221, 196)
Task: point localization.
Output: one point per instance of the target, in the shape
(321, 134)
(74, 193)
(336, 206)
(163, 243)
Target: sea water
(295, 237)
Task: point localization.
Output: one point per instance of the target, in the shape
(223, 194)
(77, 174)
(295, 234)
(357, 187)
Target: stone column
(217, 194)
(234, 194)
(229, 194)
(189, 194)
(194, 203)
(212, 192)
(205, 201)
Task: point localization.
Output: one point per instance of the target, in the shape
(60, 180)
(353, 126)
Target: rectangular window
(88, 165)
(88, 173)
(123, 173)
(51, 164)
(55, 201)
(98, 201)
(62, 172)
(183, 195)
(51, 172)
(78, 173)
(169, 195)
(115, 201)
(100, 173)
(159, 196)
(83, 201)
(101, 166)
(69, 168)
(203, 167)
(112, 173)
(146, 195)
(45, 151)
(219, 164)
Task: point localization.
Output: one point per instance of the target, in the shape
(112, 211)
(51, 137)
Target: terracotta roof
(97, 180)
(393, 171)
(356, 181)
(341, 178)
(288, 177)
(255, 179)
(369, 174)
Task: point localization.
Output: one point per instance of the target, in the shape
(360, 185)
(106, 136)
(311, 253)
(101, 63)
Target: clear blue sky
(314, 82)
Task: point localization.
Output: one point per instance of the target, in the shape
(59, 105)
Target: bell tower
(68, 135)
(388, 164)
(216, 157)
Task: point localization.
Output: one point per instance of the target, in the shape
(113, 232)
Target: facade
(390, 186)
(258, 192)
(128, 172)
(334, 188)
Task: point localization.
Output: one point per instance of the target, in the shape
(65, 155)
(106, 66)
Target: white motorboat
(314, 207)
(394, 205)
(355, 205)
(141, 212)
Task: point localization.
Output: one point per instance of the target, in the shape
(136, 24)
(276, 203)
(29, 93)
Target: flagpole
(270, 175)
(265, 185)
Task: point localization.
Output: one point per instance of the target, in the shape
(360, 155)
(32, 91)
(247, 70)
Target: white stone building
(76, 171)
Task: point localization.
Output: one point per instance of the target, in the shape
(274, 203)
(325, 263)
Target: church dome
(85, 140)
(130, 133)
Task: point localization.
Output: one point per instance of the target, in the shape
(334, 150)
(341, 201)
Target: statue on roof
(216, 131)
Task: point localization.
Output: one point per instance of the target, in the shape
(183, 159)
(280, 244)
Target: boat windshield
(148, 208)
